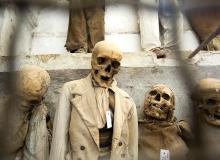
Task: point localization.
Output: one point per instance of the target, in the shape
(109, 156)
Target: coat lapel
(118, 120)
(87, 109)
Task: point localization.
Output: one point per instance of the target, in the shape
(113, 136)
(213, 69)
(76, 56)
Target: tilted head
(207, 99)
(32, 84)
(160, 103)
(105, 63)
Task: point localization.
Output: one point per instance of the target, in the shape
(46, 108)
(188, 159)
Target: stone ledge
(130, 60)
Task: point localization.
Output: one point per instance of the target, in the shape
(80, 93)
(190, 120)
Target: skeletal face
(160, 103)
(105, 63)
(32, 84)
(207, 98)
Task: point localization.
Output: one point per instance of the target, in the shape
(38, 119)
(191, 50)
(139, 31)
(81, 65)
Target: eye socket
(210, 101)
(115, 64)
(101, 60)
(166, 96)
(153, 93)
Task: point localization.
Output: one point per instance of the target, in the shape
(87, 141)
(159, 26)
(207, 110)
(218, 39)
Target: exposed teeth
(153, 105)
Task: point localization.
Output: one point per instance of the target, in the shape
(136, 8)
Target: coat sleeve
(59, 146)
(133, 132)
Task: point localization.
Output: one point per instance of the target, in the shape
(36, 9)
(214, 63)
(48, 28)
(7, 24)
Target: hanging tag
(108, 119)
(164, 154)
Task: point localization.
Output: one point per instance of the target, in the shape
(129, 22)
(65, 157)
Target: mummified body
(159, 129)
(81, 129)
(207, 99)
(28, 137)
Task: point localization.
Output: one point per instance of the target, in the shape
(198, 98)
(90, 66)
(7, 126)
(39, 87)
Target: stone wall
(138, 73)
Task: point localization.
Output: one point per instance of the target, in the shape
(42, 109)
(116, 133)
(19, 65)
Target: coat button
(120, 143)
(123, 155)
(82, 148)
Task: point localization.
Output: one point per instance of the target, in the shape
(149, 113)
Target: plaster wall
(8, 23)
(138, 73)
(28, 22)
(1, 18)
(44, 30)
(50, 35)
(12, 21)
(121, 27)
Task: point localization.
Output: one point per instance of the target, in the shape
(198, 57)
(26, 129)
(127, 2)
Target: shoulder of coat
(123, 93)
(70, 84)
(74, 85)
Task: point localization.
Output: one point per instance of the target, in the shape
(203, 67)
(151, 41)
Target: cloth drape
(102, 99)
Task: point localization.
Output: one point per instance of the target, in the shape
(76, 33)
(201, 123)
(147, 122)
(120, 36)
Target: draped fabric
(171, 136)
(37, 142)
(102, 100)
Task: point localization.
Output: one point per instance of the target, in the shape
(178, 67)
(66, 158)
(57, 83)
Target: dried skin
(207, 98)
(105, 63)
(160, 103)
(159, 129)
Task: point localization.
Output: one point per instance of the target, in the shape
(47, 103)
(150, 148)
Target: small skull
(32, 84)
(105, 63)
(160, 103)
(207, 99)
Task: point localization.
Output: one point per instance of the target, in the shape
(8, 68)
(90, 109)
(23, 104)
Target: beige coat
(76, 134)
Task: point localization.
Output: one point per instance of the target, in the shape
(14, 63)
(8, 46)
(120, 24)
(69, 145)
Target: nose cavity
(157, 98)
(108, 68)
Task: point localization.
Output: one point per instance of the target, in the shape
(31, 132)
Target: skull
(32, 84)
(207, 99)
(105, 63)
(160, 103)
